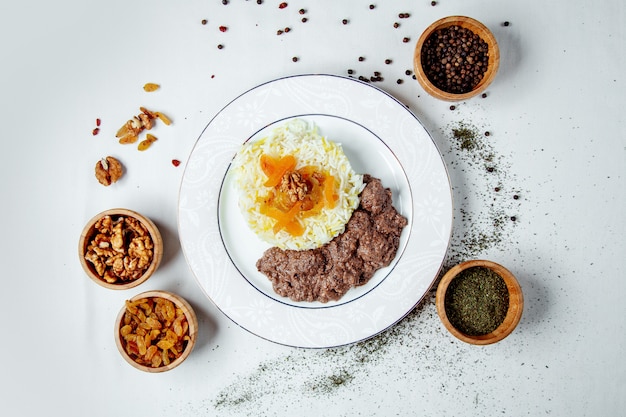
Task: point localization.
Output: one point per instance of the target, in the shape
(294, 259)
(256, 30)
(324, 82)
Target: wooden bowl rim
(512, 318)
(155, 235)
(192, 320)
(476, 27)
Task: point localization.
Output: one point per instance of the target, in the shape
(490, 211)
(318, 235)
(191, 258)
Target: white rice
(298, 138)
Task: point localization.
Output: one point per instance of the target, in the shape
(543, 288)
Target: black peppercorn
(372, 6)
(399, 81)
(506, 23)
(344, 21)
(452, 107)
(220, 46)
(304, 20)
(361, 59)
(294, 59)
(388, 61)
(405, 39)
(350, 71)
(455, 59)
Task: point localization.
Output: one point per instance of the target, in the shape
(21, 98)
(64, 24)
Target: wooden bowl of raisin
(155, 331)
(120, 248)
(480, 302)
(456, 58)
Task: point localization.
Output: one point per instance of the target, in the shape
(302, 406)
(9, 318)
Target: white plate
(381, 137)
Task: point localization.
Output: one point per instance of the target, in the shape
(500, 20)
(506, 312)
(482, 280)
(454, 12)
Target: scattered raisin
(176, 162)
(282, 5)
(405, 39)
(223, 28)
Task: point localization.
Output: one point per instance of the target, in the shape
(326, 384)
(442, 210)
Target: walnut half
(108, 170)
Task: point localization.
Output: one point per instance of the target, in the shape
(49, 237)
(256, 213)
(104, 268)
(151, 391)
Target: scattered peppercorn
(388, 61)
(513, 218)
(294, 59)
(361, 59)
(404, 15)
(405, 39)
(302, 11)
(204, 21)
(515, 197)
(279, 32)
(408, 72)
(344, 21)
(487, 133)
(350, 71)
(497, 189)
(506, 23)
(259, 1)
(287, 29)
(224, 2)
(282, 5)
(484, 95)
(490, 169)
(396, 25)
(304, 20)
(433, 3)
(399, 81)
(220, 46)
(372, 7)
(452, 107)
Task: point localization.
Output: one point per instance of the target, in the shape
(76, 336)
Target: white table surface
(557, 131)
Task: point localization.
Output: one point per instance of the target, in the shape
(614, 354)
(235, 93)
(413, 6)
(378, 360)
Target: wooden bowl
(89, 232)
(479, 29)
(512, 317)
(179, 303)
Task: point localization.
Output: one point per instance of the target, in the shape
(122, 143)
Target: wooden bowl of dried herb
(456, 58)
(480, 302)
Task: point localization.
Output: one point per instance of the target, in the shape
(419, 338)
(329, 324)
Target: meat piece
(370, 242)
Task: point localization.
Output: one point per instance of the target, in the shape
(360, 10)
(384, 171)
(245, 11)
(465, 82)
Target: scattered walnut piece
(154, 331)
(121, 249)
(108, 170)
(129, 132)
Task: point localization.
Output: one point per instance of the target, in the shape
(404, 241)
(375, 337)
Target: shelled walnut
(108, 170)
(120, 250)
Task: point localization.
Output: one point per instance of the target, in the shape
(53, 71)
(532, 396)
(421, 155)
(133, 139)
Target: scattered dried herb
(476, 301)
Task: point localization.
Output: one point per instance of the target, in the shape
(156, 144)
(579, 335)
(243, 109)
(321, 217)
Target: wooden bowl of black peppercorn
(480, 302)
(456, 58)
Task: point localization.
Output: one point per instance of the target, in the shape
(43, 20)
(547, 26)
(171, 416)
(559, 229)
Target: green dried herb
(477, 301)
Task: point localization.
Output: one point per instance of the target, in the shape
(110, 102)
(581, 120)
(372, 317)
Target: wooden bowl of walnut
(156, 331)
(456, 58)
(120, 248)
